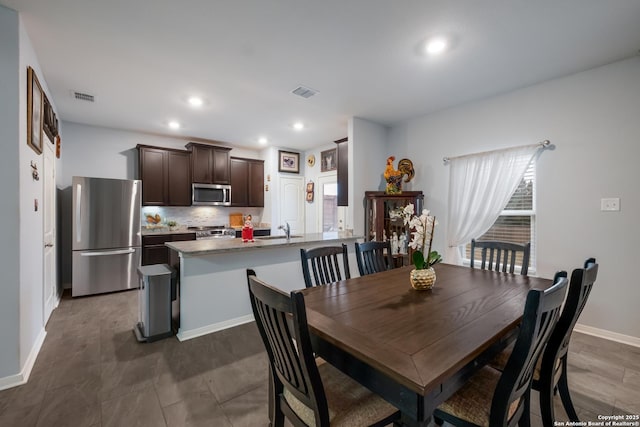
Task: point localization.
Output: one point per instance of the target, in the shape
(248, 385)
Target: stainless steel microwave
(211, 194)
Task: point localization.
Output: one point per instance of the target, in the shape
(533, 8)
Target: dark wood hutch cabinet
(247, 182)
(378, 225)
(165, 175)
(209, 163)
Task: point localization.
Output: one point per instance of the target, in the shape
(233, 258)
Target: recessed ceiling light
(436, 46)
(262, 140)
(196, 101)
(174, 124)
(298, 125)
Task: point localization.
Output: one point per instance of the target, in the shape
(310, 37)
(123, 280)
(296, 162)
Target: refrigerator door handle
(78, 212)
(105, 253)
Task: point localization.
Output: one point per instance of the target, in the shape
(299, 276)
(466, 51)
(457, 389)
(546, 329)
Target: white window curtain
(480, 186)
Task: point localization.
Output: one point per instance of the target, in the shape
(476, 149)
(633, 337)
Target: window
(516, 223)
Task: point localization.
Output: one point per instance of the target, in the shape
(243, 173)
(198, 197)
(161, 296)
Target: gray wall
(9, 189)
(593, 119)
(111, 153)
(367, 160)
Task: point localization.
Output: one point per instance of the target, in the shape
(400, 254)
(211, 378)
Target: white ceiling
(141, 59)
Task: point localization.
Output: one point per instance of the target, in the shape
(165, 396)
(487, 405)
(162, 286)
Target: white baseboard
(198, 332)
(23, 376)
(607, 335)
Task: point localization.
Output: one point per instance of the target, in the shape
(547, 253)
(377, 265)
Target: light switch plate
(610, 204)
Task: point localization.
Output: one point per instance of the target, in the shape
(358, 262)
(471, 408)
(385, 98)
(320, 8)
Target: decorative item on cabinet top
(394, 176)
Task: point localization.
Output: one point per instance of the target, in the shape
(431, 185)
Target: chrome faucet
(287, 230)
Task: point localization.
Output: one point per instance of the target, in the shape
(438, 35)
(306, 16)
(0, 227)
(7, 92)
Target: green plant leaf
(418, 260)
(434, 258)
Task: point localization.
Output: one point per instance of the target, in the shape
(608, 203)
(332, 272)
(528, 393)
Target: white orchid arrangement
(422, 227)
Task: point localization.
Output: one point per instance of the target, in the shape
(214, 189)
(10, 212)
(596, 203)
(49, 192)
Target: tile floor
(92, 372)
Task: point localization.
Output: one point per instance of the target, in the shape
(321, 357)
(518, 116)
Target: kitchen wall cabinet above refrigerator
(209, 164)
(165, 175)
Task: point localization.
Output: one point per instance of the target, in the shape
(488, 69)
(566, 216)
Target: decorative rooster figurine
(394, 177)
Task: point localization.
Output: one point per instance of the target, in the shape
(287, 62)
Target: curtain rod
(544, 144)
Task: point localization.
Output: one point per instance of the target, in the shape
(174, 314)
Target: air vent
(83, 97)
(305, 92)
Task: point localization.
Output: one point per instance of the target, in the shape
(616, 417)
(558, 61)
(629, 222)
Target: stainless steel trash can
(155, 293)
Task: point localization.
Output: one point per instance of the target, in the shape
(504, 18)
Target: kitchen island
(213, 281)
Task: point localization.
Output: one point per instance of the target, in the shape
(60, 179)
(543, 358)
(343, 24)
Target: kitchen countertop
(194, 248)
(166, 230)
(163, 230)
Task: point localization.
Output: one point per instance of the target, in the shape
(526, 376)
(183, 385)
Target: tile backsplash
(198, 215)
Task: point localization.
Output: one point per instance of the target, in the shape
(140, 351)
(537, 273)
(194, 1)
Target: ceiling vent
(83, 97)
(305, 92)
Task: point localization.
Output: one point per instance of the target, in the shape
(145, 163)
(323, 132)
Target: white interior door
(292, 203)
(50, 293)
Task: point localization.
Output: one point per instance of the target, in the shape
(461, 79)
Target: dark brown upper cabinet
(343, 171)
(209, 164)
(165, 175)
(247, 178)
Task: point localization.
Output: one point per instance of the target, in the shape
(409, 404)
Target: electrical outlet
(610, 204)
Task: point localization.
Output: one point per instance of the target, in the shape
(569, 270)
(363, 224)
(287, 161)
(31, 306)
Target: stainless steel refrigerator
(106, 235)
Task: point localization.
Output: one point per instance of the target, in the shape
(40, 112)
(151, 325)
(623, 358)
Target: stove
(204, 232)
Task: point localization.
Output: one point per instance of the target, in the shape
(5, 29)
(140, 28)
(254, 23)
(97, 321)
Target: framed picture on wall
(328, 160)
(35, 105)
(50, 122)
(288, 162)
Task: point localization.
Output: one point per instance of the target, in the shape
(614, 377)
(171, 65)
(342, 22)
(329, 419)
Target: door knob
(48, 245)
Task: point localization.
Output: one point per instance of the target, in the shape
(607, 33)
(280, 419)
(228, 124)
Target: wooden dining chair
(553, 369)
(494, 398)
(505, 255)
(307, 393)
(373, 257)
(551, 373)
(325, 265)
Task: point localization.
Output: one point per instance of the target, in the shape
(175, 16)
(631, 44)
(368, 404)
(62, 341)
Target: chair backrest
(325, 265)
(582, 280)
(374, 257)
(541, 312)
(505, 254)
(282, 322)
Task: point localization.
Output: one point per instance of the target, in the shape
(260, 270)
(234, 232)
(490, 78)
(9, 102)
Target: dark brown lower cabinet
(155, 252)
(257, 232)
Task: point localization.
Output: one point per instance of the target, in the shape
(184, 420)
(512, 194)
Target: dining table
(415, 348)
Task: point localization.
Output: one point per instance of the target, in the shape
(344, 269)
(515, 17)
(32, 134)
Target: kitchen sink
(293, 236)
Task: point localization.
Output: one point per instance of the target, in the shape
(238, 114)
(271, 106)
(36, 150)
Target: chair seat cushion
(472, 403)
(500, 361)
(350, 404)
